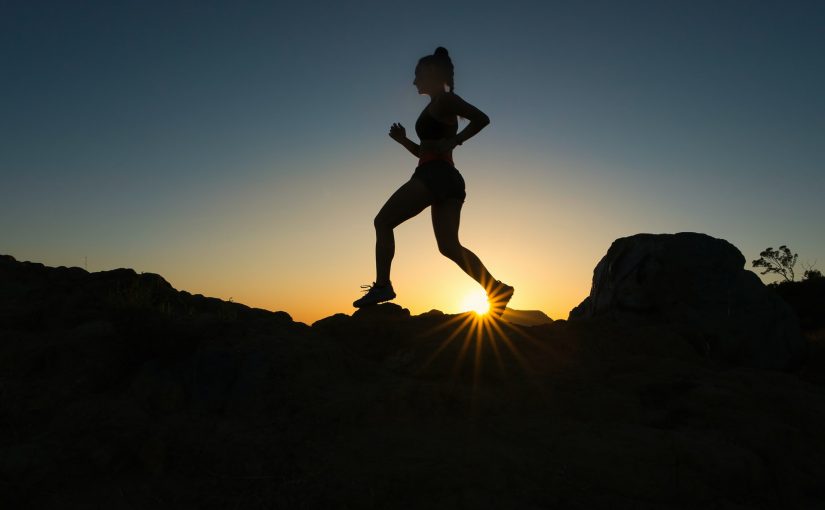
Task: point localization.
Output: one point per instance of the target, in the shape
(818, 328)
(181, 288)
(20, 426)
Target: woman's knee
(452, 250)
(380, 222)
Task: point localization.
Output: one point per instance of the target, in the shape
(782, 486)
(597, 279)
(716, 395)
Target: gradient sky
(243, 151)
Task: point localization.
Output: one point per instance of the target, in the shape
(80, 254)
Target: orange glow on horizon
(476, 301)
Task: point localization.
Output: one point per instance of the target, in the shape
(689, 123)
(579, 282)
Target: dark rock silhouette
(698, 284)
(526, 317)
(117, 391)
(807, 298)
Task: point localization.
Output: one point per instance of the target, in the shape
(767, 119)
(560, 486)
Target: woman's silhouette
(436, 183)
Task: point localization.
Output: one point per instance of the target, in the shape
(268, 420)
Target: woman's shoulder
(446, 98)
(446, 104)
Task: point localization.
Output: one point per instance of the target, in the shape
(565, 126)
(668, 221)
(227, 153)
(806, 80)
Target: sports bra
(428, 127)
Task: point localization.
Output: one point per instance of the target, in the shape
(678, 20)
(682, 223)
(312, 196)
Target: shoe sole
(362, 305)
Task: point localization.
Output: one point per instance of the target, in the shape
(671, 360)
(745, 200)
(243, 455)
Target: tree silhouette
(779, 261)
(810, 274)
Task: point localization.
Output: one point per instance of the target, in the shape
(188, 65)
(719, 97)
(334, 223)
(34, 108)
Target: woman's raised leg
(446, 217)
(410, 199)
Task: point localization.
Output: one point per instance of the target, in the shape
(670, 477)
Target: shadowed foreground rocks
(117, 391)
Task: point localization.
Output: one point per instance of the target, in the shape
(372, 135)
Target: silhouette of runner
(436, 183)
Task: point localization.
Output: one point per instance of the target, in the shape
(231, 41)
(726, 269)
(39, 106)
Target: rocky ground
(118, 391)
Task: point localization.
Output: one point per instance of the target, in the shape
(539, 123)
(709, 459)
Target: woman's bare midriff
(427, 153)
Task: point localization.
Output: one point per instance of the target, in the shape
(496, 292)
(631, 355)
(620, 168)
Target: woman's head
(434, 73)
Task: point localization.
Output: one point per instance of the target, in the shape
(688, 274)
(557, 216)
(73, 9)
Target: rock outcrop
(807, 298)
(698, 285)
(526, 317)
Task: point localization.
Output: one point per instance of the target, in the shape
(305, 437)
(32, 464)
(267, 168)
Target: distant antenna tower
(84, 262)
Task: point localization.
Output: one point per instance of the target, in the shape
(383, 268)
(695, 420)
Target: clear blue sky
(241, 149)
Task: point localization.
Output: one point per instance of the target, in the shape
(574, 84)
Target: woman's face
(426, 80)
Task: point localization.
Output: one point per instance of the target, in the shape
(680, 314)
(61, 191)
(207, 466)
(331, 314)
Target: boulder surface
(698, 284)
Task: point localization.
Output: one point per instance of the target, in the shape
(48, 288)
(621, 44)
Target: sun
(476, 301)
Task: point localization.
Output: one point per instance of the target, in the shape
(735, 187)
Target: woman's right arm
(398, 134)
(411, 146)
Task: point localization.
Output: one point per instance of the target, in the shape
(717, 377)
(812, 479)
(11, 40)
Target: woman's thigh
(410, 199)
(446, 217)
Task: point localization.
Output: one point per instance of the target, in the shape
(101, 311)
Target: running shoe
(498, 297)
(374, 294)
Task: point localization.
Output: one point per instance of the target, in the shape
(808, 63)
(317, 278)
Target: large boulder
(697, 283)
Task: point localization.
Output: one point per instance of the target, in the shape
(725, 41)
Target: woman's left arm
(458, 106)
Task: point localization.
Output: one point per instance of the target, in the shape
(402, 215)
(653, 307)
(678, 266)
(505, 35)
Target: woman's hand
(397, 132)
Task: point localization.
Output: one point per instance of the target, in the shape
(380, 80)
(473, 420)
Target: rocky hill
(118, 391)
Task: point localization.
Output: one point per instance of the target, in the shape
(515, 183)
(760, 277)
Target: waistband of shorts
(427, 159)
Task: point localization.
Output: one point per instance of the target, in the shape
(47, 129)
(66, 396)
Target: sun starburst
(472, 337)
(476, 301)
